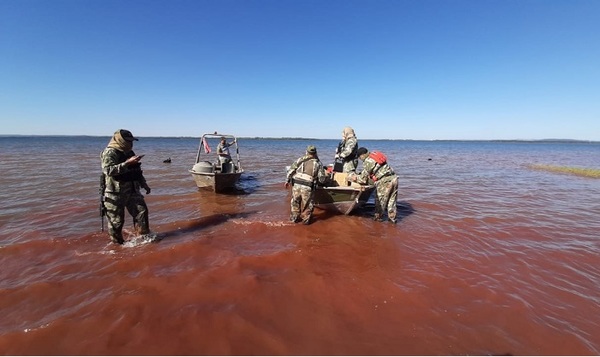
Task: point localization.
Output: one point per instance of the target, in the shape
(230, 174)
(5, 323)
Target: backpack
(379, 157)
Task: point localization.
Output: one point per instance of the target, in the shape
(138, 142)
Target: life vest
(352, 155)
(381, 160)
(306, 173)
(378, 156)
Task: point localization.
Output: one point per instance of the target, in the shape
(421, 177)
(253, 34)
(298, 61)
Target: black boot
(117, 240)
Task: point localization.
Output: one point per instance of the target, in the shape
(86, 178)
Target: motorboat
(208, 172)
(338, 194)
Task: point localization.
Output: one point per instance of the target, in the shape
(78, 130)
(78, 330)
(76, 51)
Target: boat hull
(217, 182)
(342, 200)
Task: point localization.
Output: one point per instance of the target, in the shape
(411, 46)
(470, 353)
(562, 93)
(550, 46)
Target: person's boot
(141, 230)
(117, 239)
(141, 227)
(306, 220)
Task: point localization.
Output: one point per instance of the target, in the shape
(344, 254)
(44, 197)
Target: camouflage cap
(311, 149)
(127, 135)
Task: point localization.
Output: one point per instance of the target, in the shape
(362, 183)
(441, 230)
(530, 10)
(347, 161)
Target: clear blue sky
(391, 69)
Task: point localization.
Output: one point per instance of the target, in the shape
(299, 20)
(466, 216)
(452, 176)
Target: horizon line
(301, 138)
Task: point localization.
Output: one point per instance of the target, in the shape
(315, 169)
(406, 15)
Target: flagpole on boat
(199, 148)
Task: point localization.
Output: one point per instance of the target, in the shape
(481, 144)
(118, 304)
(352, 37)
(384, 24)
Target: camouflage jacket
(307, 168)
(374, 171)
(118, 177)
(347, 149)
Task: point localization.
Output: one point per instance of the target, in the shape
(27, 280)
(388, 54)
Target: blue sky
(391, 69)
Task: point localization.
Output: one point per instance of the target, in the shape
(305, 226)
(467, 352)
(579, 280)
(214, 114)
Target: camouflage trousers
(302, 203)
(115, 213)
(386, 196)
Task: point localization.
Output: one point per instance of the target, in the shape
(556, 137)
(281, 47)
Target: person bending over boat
(304, 174)
(223, 151)
(123, 178)
(346, 150)
(377, 169)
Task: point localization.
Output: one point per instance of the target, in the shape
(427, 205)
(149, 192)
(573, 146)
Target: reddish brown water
(488, 258)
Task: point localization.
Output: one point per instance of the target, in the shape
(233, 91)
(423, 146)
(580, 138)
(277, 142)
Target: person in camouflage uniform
(123, 179)
(223, 150)
(304, 175)
(346, 150)
(386, 184)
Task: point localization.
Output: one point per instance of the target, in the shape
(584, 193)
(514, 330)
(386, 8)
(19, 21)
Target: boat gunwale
(362, 188)
(215, 173)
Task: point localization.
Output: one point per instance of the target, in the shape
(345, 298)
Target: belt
(386, 175)
(303, 183)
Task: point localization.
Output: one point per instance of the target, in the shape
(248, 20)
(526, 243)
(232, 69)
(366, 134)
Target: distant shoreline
(300, 138)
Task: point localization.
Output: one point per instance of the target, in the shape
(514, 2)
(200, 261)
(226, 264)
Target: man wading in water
(304, 175)
(123, 178)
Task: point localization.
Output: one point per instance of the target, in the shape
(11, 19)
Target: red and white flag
(206, 147)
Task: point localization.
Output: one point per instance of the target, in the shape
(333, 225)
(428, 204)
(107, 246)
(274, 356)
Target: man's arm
(110, 163)
(321, 174)
(363, 177)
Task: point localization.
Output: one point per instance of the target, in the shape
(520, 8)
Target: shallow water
(488, 257)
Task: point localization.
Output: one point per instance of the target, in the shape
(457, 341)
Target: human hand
(287, 184)
(147, 188)
(133, 160)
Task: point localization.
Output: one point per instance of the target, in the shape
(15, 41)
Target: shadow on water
(404, 209)
(202, 224)
(246, 185)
